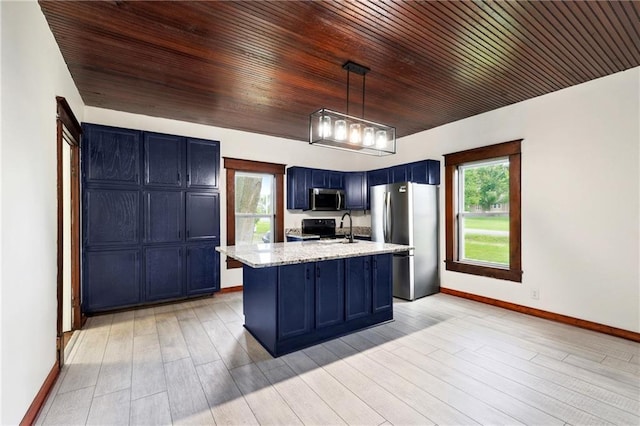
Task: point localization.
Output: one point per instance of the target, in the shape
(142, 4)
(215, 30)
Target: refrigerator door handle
(385, 218)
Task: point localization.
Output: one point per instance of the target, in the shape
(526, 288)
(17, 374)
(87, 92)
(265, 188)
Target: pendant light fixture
(344, 131)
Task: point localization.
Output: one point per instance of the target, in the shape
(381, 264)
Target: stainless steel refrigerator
(407, 213)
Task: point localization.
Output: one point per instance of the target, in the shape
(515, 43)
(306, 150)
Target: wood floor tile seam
(368, 404)
(587, 408)
(587, 376)
(530, 340)
(580, 336)
(604, 370)
(434, 396)
(573, 383)
(535, 398)
(316, 368)
(452, 386)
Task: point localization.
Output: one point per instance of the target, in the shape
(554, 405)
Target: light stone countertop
(264, 255)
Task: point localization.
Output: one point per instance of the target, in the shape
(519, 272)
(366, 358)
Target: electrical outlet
(535, 293)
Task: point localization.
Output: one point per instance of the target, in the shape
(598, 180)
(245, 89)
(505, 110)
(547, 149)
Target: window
(482, 213)
(255, 203)
(254, 209)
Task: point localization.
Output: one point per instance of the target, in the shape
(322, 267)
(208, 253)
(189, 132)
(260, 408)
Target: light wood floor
(443, 361)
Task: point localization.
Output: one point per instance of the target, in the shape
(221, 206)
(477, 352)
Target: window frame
(510, 150)
(277, 170)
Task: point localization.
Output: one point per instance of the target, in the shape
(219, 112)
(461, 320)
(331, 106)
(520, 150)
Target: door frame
(68, 130)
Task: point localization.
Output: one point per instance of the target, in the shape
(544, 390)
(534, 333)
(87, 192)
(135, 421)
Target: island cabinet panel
(163, 160)
(329, 293)
(162, 215)
(357, 287)
(382, 284)
(114, 277)
(295, 300)
(202, 272)
(113, 155)
(291, 307)
(163, 273)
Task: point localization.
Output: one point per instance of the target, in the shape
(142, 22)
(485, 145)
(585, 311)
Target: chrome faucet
(350, 225)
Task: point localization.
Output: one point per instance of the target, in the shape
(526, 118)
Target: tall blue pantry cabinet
(151, 217)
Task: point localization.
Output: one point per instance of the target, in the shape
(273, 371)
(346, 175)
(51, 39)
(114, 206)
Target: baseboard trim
(32, 413)
(594, 326)
(231, 289)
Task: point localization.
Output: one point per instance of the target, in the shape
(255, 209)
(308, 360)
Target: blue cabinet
(326, 179)
(357, 287)
(376, 177)
(203, 216)
(202, 271)
(298, 184)
(113, 156)
(301, 179)
(382, 283)
(111, 217)
(290, 307)
(169, 218)
(203, 163)
(355, 188)
(398, 173)
(356, 184)
(426, 171)
(163, 273)
(163, 160)
(295, 300)
(329, 293)
(114, 276)
(163, 216)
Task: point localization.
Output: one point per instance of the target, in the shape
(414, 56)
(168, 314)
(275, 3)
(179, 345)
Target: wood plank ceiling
(263, 67)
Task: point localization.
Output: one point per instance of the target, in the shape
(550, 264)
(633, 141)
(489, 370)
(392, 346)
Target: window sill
(485, 271)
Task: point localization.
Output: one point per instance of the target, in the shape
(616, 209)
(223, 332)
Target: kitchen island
(298, 294)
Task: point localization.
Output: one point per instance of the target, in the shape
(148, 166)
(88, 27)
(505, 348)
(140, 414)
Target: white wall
(33, 74)
(580, 197)
(248, 146)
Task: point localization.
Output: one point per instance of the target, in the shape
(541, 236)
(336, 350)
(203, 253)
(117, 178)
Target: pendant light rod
(351, 66)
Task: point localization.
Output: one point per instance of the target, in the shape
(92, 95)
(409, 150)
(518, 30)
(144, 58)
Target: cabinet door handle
(308, 273)
(188, 178)
(318, 272)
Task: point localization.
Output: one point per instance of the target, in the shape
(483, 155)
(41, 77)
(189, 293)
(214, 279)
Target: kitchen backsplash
(357, 230)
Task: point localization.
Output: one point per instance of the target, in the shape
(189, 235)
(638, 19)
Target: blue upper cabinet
(377, 177)
(398, 173)
(326, 179)
(203, 163)
(163, 160)
(427, 171)
(112, 156)
(298, 184)
(355, 188)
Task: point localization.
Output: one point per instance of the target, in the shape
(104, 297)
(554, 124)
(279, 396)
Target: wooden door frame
(67, 122)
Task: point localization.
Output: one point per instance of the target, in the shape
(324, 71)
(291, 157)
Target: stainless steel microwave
(324, 199)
